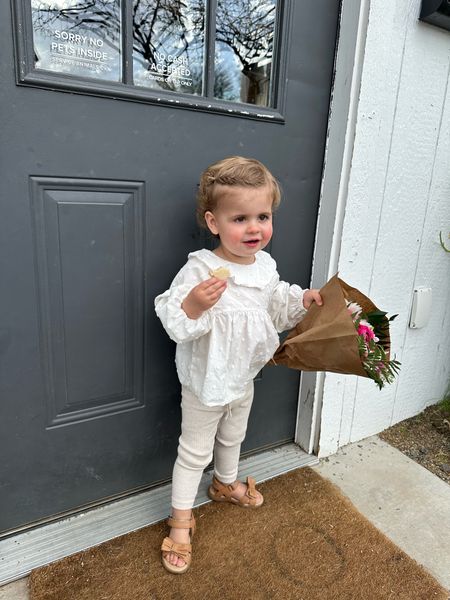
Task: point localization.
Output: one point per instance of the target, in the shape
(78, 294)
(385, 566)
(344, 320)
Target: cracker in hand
(220, 273)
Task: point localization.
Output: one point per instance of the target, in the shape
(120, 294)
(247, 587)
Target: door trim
(353, 23)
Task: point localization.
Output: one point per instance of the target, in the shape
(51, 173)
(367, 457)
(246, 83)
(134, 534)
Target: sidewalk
(401, 498)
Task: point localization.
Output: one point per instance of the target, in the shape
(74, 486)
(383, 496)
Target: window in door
(207, 54)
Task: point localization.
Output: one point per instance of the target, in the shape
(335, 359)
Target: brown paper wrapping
(326, 338)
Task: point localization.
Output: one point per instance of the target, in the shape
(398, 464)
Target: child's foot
(176, 548)
(239, 493)
(241, 489)
(179, 536)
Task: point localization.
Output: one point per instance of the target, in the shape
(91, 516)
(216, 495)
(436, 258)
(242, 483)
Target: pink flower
(366, 332)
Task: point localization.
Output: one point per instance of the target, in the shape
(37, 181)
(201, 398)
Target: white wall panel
(426, 351)
(398, 200)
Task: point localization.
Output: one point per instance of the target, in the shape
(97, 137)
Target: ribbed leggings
(208, 431)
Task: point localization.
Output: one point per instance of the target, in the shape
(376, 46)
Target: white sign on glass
(78, 38)
(168, 45)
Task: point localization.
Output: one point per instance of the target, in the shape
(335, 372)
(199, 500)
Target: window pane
(168, 44)
(78, 37)
(244, 50)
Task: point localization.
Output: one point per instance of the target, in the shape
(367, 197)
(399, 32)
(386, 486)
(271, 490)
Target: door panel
(97, 216)
(89, 273)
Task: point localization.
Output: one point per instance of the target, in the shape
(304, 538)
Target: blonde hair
(233, 171)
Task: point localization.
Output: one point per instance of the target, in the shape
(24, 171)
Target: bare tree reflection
(98, 16)
(247, 27)
(173, 27)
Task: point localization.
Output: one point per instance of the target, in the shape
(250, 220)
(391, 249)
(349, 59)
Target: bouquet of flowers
(348, 334)
(372, 341)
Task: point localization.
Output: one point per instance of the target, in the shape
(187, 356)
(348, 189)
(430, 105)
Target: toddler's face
(243, 221)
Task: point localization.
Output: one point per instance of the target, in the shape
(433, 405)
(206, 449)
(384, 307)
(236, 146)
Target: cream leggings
(206, 430)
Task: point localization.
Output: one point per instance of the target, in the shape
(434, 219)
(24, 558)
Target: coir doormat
(307, 542)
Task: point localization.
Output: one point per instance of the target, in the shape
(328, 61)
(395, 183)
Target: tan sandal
(183, 551)
(221, 492)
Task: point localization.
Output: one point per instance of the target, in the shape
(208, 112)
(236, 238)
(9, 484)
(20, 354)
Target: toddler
(225, 327)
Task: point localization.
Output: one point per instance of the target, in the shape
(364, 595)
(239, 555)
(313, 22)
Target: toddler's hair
(233, 171)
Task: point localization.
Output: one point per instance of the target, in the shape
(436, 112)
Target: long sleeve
(286, 305)
(177, 324)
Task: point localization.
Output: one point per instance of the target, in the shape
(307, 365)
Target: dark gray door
(97, 215)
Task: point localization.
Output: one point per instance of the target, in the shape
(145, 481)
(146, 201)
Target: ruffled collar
(258, 274)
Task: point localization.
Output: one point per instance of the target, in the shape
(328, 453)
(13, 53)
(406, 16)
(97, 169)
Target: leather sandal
(183, 551)
(221, 492)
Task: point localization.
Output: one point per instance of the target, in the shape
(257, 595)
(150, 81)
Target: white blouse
(220, 353)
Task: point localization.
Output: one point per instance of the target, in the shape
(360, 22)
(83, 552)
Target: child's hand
(203, 296)
(311, 296)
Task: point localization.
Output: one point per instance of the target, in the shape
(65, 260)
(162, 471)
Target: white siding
(398, 201)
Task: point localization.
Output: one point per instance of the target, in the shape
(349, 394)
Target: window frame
(28, 75)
